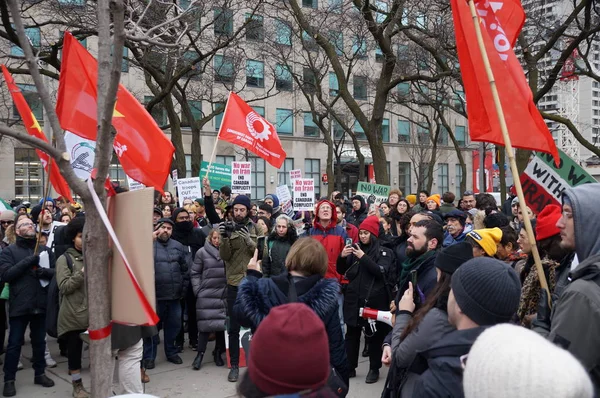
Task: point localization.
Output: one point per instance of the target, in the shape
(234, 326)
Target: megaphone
(381, 316)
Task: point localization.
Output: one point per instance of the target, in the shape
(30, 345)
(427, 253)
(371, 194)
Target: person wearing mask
(359, 211)
(366, 265)
(422, 205)
(277, 246)
(448, 205)
(273, 201)
(351, 230)
(484, 292)
(306, 265)
(455, 227)
(236, 249)
(415, 329)
(468, 200)
(20, 267)
(208, 285)
(484, 241)
(171, 264)
(73, 311)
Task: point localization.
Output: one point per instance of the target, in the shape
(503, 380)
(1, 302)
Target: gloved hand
(245, 235)
(29, 261)
(222, 230)
(543, 312)
(38, 273)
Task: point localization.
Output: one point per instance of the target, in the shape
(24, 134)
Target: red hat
(279, 364)
(546, 222)
(370, 224)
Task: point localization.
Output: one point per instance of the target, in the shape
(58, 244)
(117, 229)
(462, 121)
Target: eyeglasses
(7, 222)
(26, 224)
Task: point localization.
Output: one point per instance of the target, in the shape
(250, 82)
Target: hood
(582, 200)
(211, 249)
(275, 200)
(363, 204)
(333, 222)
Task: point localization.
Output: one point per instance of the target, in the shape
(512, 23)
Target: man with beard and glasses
(236, 250)
(171, 263)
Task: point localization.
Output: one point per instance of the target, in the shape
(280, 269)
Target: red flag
(501, 22)
(244, 127)
(33, 128)
(143, 149)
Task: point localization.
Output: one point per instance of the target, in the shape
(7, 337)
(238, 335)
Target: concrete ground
(167, 379)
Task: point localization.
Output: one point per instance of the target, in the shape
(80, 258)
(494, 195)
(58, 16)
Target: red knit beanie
(546, 222)
(371, 224)
(290, 351)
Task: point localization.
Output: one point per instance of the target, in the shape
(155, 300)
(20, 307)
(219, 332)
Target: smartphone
(260, 245)
(413, 279)
(348, 241)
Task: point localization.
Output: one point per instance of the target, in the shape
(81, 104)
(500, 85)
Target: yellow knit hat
(435, 198)
(412, 199)
(487, 238)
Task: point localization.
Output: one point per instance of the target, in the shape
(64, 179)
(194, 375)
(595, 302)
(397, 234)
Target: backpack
(53, 305)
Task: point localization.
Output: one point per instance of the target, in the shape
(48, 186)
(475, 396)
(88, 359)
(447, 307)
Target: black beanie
(450, 258)
(486, 290)
(496, 220)
(176, 212)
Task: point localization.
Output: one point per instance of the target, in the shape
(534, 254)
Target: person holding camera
(236, 249)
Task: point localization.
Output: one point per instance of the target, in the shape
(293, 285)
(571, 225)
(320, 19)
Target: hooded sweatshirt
(333, 238)
(358, 216)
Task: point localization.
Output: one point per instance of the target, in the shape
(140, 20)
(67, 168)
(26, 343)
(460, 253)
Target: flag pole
(509, 150)
(214, 150)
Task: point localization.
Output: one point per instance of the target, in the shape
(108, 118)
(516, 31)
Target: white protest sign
(240, 177)
(82, 154)
(304, 194)
(134, 185)
(53, 228)
(295, 174)
(174, 174)
(188, 188)
(283, 193)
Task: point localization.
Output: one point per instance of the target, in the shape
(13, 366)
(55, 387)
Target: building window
(260, 110)
(72, 3)
(258, 178)
(226, 160)
(284, 121)
(385, 130)
(359, 46)
(255, 29)
(309, 42)
(459, 100)
(338, 131)
(403, 52)
(283, 78)
(116, 172)
(337, 39)
(360, 87)
(158, 111)
(223, 21)
(459, 134)
(443, 136)
(309, 3)
(125, 61)
(188, 166)
(255, 73)
(379, 55)
(404, 171)
(403, 132)
(336, 6)
(310, 128)
(334, 86)
(403, 89)
(223, 69)
(33, 100)
(442, 183)
(196, 110)
(191, 59)
(283, 174)
(283, 33)
(29, 175)
(309, 80)
(35, 39)
(312, 169)
(359, 132)
(218, 106)
(423, 135)
(458, 174)
(423, 182)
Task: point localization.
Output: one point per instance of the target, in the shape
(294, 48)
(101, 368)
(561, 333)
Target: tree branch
(559, 119)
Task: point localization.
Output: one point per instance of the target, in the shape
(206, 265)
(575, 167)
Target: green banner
(219, 174)
(373, 193)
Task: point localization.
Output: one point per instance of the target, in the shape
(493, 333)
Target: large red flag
(244, 127)
(501, 21)
(33, 128)
(143, 149)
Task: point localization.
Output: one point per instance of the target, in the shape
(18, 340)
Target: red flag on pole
(143, 149)
(242, 126)
(33, 128)
(501, 22)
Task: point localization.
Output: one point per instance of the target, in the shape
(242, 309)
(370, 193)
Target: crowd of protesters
(458, 276)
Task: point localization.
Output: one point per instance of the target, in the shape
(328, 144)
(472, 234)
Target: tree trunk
(196, 151)
(329, 169)
(379, 160)
(522, 159)
(176, 137)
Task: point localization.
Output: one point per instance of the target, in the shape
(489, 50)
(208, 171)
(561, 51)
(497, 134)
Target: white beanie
(512, 361)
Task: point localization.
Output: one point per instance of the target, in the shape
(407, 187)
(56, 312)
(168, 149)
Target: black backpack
(54, 302)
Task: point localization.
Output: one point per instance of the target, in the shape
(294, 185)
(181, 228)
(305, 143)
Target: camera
(231, 227)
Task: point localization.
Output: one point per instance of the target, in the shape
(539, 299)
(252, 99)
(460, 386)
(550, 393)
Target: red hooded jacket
(333, 238)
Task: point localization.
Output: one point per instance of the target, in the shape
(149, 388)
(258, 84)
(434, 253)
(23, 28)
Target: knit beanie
(496, 220)
(488, 239)
(7, 215)
(546, 222)
(458, 214)
(200, 201)
(278, 364)
(412, 199)
(370, 224)
(35, 213)
(486, 290)
(242, 200)
(435, 198)
(512, 361)
(450, 258)
(157, 210)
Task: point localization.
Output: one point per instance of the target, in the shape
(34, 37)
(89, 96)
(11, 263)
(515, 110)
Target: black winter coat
(17, 265)
(275, 251)
(367, 286)
(256, 296)
(171, 264)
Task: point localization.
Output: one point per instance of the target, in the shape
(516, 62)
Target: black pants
(219, 342)
(3, 323)
(74, 348)
(188, 307)
(353, 345)
(233, 328)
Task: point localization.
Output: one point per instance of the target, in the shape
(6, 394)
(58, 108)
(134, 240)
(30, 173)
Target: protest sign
(82, 154)
(219, 174)
(188, 188)
(304, 194)
(240, 177)
(295, 174)
(134, 185)
(174, 174)
(543, 182)
(245, 339)
(373, 193)
(285, 199)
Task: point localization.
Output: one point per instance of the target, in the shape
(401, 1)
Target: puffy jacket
(171, 264)
(275, 251)
(256, 296)
(450, 240)
(73, 310)
(333, 238)
(208, 283)
(17, 265)
(237, 253)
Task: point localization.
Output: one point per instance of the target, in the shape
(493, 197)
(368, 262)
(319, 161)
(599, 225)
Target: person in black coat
(277, 246)
(366, 265)
(359, 211)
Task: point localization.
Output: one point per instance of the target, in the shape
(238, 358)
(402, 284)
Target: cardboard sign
(219, 174)
(134, 185)
(283, 193)
(241, 177)
(295, 174)
(373, 193)
(304, 194)
(188, 188)
(543, 182)
(53, 227)
(245, 338)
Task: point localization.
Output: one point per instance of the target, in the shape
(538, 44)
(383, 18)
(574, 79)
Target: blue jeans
(169, 312)
(16, 337)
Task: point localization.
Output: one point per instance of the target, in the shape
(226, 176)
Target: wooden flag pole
(509, 150)
(214, 150)
(41, 216)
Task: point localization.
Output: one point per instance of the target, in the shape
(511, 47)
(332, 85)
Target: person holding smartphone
(277, 245)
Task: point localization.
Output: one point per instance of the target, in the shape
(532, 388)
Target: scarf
(413, 263)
